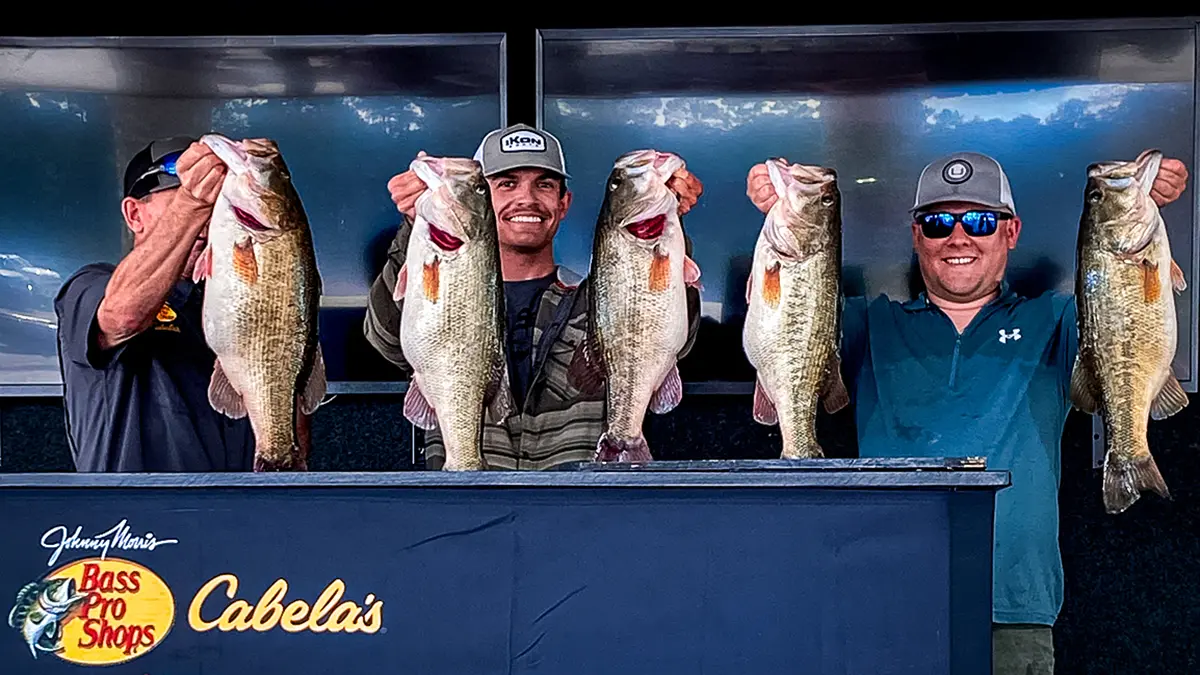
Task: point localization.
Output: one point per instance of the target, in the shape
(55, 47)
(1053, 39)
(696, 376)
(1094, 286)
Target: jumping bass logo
(326, 615)
(94, 612)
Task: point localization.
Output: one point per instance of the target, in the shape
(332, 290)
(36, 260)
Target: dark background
(1132, 588)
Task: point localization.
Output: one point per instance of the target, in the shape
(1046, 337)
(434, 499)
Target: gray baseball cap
(964, 177)
(520, 146)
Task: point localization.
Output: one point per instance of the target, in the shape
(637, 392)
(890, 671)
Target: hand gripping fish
(261, 300)
(1127, 324)
(793, 321)
(452, 321)
(638, 318)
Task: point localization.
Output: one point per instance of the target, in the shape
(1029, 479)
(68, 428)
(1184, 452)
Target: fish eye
(479, 190)
(827, 200)
(1095, 196)
(614, 184)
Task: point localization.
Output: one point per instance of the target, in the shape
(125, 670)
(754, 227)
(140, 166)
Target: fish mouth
(638, 161)
(248, 220)
(229, 151)
(443, 239)
(648, 228)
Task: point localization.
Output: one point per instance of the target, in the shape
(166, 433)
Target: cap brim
(528, 165)
(164, 182)
(991, 205)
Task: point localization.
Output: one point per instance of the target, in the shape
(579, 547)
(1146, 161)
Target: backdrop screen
(346, 120)
(877, 109)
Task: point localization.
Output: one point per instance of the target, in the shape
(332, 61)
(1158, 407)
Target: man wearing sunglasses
(969, 367)
(134, 361)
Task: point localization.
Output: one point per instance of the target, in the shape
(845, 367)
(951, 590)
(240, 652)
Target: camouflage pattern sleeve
(382, 322)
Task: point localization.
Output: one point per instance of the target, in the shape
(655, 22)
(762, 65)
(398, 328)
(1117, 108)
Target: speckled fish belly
(793, 320)
(637, 303)
(262, 294)
(1127, 324)
(452, 321)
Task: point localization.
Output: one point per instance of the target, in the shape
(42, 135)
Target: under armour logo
(1014, 335)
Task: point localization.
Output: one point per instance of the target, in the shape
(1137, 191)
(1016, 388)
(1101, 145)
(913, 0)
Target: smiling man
(546, 302)
(970, 367)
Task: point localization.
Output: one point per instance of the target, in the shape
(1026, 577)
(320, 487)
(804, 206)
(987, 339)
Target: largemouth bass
(452, 322)
(261, 299)
(793, 321)
(1127, 324)
(41, 610)
(638, 319)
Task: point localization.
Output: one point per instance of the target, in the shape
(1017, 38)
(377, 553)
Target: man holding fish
(141, 379)
(969, 367)
(547, 421)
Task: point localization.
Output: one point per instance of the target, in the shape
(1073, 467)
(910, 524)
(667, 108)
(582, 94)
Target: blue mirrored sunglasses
(164, 165)
(975, 223)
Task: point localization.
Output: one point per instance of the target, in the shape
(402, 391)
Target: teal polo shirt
(998, 390)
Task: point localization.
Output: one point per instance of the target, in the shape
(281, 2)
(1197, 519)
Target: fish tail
(804, 450)
(1126, 478)
(611, 448)
(288, 461)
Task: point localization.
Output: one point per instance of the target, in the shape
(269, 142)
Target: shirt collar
(1007, 297)
(182, 292)
(567, 278)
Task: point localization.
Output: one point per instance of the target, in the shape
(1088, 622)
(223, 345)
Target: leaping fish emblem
(41, 610)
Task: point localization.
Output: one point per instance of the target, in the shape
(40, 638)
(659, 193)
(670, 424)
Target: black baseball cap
(152, 169)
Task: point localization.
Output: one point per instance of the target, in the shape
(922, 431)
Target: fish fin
(1151, 287)
(669, 393)
(499, 397)
(691, 273)
(764, 408)
(1083, 388)
(417, 409)
(613, 449)
(203, 268)
(222, 396)
(1126, 479)
(244, 261)
(431, 279)
(1170, 399)
(1178, 282)
(660, 271)
(833, 389)
(314, 389)
(587, 372)
(749, 287)
(401, 283)
(770, 286)
(293, 461)
(25, 600)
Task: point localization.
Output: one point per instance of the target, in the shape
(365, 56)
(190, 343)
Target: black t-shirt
(521, 299)
(143, 406)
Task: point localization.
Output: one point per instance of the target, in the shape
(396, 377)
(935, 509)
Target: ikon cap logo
(957, 171)
(94, 612)
(522, 141)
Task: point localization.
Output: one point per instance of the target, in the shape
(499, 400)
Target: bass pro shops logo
(94, 612)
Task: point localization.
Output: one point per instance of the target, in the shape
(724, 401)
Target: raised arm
(142, 280)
